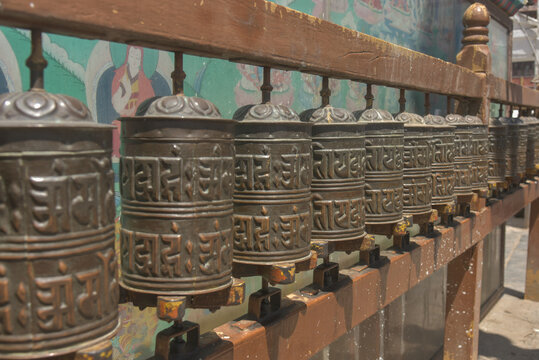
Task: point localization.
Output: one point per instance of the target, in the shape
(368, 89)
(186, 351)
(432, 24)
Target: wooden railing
(263, 33)
(259, 32)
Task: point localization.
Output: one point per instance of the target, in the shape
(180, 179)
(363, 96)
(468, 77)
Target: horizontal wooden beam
(506, 92)
(249, 31)
(306, 324)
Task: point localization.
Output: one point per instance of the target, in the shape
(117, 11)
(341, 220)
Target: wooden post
(475, 55)
(531, 292)
(463, 304)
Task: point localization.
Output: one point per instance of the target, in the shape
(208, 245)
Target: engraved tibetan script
(337, 164)
(384, 158)
(337, 214)
(170, 179)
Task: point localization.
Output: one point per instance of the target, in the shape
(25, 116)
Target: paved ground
(511, 329)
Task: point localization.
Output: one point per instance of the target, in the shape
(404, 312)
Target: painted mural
(113, 79)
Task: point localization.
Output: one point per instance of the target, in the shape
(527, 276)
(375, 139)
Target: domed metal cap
(435, 120)
(410, 118)
(328, 115)
(373, 115)
(179, 106)
(266, 112)
(511, 121)
(473, 120)
(40, 107)
(455, 119)
(493, 121)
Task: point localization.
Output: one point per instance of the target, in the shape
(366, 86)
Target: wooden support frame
(306, 324)
(260, 33)
(531, 291)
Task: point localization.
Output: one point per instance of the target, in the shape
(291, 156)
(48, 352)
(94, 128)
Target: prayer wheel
(497, 137)
(479, 152)
(536, 147)
(442, 158)
(463, 158)
(384, 145)
(176, 182)
(515, 149)
(58, 276)
(338, 184)
(531, 140)
(272, 194)
(417, 175)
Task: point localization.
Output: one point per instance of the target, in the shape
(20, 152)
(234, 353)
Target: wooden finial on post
(369, 97)
(475, 55)
(36, 62)
(178, 75)
(266, 87)
(325, 92)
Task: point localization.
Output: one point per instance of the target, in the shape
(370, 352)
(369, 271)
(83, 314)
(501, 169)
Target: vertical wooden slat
(531, 291)
(463, 305)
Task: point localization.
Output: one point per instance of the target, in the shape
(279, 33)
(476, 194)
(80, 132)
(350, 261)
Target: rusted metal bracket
(401, 235)
(426, 222)
(464, 205)
(446, 213)
(170, 345)
(264, 302)
(479, 200)
(370, 257)
(325, 275)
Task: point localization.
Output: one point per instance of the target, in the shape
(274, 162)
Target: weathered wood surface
(509, 93)
(531, 291)
(249, 31)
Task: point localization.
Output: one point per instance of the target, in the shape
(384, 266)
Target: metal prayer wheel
(463, 154)
(417, 173)
(272, 194)
(58, 275)
(176, 182)
(497, 137)
(522, 146)
(442, 159)
(536, 147)
(531, 136)
(479, 152)
(338, 184)
(384, 145)
(515, 155)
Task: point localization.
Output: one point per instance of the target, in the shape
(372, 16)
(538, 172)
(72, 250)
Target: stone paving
(511, 328)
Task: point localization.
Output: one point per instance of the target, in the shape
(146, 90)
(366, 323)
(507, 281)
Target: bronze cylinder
(58, 275)
(463, 157)
(479, 152)
(531, 135)
(272, 196)
(176, 182)
(497, 136)
(442, 158)
(536, 145)
(515, 155)
(384, 145)
(417, 173)
(338, 184)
